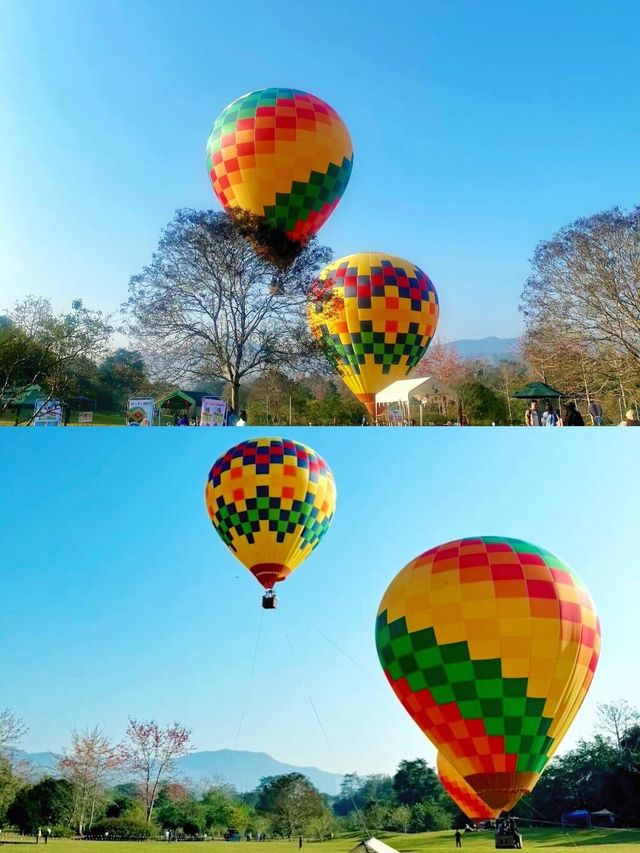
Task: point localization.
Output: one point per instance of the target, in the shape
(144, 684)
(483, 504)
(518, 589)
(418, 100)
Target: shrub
(122, 827)
(62, 832)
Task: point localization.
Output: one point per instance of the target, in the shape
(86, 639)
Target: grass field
(545, 839)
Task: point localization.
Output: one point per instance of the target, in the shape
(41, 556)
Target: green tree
(400, 818)
(290, 799)
(23, 360)
(122, 375)
(10, 784)
(430, 817)
(48, 803)
(219, 803)
(40, 347)
(416, 782)
(482, 404)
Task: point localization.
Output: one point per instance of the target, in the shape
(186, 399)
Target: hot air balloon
(271, 501)
(376, 315)
(463, 794)
(284, 156)
(490, 644)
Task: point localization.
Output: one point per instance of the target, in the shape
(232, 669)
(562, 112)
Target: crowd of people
(551, 416)
(232, 419)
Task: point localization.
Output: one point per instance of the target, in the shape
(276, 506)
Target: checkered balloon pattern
(490, 644)
(282, 154)
(376, 314)
(463, 794)
(271, 501)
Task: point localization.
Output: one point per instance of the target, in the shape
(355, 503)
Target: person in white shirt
(549, 417)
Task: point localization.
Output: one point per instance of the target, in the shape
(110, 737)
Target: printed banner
(395, 414)
(140, 412)
(213, 412)
(47, 413)
(85, 417)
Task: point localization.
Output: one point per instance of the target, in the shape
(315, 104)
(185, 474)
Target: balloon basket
(507, 835)
(269, 600)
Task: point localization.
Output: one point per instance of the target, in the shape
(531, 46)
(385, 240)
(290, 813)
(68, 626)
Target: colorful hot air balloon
(491, 645)
(463, 794)
(281, 154)
(271, 500)
(376, 314)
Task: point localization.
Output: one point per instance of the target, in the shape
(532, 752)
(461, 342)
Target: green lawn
(482, 842)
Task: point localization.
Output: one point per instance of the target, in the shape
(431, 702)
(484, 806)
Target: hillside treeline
(86, 794)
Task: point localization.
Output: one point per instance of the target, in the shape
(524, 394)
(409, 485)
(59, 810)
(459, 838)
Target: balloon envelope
(376, 314)
(271, 501)
(282, 154)
(490, 644)
(463, 794)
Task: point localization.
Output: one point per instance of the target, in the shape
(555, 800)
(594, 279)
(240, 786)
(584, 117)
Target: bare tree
(208, 307)
(615, 719)
(12, 730)
(149, 754)
(88, 765)
(585, 283)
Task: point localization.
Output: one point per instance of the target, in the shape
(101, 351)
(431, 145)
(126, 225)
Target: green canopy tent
(23, 398)
(180, 401)
(538, 391)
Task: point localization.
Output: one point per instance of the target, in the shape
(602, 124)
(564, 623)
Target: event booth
(395, 399)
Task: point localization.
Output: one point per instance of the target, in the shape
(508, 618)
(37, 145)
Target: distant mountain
(491, 348)
(42, 762)
(245, 769)
(241, 769)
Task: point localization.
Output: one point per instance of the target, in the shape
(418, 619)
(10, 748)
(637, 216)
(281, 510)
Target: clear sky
(479, 126)
(118, 598)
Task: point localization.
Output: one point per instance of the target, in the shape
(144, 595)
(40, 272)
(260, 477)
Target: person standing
(573, 416)
(458, 838)
(299, 837)
(532, 415)
(38, 836)
(630, 419)
(549, 416)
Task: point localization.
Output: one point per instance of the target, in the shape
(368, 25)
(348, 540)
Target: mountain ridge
(490, 347)
(241, 768)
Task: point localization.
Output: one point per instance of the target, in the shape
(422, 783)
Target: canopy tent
(22, 398)
(603, 817)
(537, 391)
(180, 401)
(420, 388)
(176, 401)
(580, 817)
(372, 845)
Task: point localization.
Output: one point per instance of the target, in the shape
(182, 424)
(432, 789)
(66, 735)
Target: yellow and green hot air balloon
(461, 793)
(271, 501)
(376, 315)
(283, 155)
(490, 644)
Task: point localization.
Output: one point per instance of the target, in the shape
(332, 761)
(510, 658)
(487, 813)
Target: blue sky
(479, 128)
(119, 599)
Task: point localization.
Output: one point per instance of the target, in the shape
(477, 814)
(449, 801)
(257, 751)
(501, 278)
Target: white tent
(372, 846)
(421, 388)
